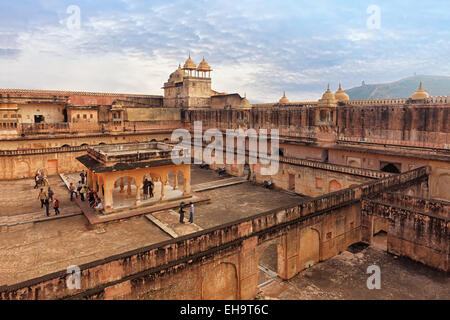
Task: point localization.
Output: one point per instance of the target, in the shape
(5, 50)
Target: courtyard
(344, 277)
(34, 249)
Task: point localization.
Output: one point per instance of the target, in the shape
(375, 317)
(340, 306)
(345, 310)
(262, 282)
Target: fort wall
(313, 231)
(417, 228)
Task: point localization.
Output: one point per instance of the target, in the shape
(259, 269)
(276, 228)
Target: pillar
(187, 180)
(108, 198)
(163, 183)
(95, 183)
(129, 186)
(122, 185)
(175, 181)
(90, 180)
(138, 192)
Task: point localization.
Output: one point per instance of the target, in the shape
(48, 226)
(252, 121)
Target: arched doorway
(309, 252)
(124, 192)
(221, 283)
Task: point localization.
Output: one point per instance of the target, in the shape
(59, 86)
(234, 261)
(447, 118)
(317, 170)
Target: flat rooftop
(121, 157)
(345, 277)
(130, 152)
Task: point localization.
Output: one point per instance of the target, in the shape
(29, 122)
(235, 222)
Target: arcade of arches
(119, 188)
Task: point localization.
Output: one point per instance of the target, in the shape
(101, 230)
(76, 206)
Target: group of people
(48, 198)
(191, 212)
(40, 179)
(83, 190)
(148, 189)
(95, 202)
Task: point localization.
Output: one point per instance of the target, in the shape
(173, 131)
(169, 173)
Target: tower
(189, 87)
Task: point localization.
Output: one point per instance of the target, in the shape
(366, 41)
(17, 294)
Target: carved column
(163, 184)
(129, 186)
(108, 198)
(175, 181)
(122, 185)
(187, 180)
(138, 192)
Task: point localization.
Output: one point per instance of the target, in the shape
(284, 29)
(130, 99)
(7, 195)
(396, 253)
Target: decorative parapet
(368, 173)
(397, 101)
(42, 151)
(84, 93)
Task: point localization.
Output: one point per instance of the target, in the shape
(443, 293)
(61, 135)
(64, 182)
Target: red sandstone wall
(418, 235)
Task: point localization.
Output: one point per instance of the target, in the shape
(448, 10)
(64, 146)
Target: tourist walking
(47, 207)
(83, 191)
(79, 186)
(50, 193)
(56, 206)
(72, 191)
(36, 181)
(191, 213)
(181, 211)
(82, 176)
(42, 196)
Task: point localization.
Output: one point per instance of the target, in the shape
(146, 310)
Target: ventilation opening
(390, 167)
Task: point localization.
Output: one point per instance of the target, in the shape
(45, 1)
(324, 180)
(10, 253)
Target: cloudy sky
(258, 48)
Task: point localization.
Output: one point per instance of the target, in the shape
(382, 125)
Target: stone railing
(443, 145)
(152, 125)
(336, 168)
(368, 173)
(424, 205)
(44, 128)
(41, 151)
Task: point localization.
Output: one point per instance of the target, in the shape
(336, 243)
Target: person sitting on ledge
(99, 207)
(268, 184)
(204, 165)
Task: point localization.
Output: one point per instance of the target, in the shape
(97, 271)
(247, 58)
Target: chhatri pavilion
(117, 173)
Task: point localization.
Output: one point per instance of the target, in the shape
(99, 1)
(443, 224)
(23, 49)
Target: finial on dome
(340, 94)
(420, 94)
(283, 98)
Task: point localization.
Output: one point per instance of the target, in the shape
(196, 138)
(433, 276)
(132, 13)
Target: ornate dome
(340, 94)
(177, 75)
(420, 94)
(283, 98)
(245, 104)
(328, 98)
(189, 64)
(204, 66)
